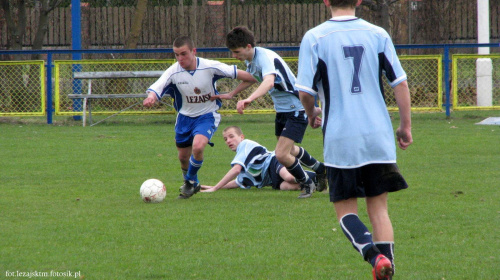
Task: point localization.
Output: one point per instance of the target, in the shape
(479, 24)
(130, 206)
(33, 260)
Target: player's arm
(227, 182)
(403, 133)
(265, 86)
(311, 110)
(247, 80)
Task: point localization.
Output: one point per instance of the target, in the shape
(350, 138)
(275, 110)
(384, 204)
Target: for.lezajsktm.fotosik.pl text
(43, 274)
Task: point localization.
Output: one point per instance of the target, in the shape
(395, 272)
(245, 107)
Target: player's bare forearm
(244, 76)
(264, 87)
(225, 182)
(241, 87)
(403, 133)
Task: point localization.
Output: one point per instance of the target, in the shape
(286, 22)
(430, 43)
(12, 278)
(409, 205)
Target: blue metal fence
(50, 54)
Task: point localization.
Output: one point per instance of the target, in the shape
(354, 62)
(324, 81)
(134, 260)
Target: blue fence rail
(50, 54)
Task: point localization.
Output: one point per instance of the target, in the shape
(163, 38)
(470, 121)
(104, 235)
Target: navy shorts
(365, 181)
(291, 125)
(187, 127)
(274, 173)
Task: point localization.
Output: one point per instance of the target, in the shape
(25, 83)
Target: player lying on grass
(253, 165)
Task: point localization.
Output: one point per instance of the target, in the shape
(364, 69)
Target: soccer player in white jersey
(342, 61)
(277, 79)
(253, 166)
(191, 82)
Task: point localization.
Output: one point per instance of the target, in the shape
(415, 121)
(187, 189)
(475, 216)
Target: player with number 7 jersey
(346, 74)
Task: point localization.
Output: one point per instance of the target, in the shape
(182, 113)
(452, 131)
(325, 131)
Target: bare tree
(135, 30)
(16, 19)
(15, 15)
(45, 7)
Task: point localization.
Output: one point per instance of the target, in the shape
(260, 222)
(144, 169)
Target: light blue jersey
(254, 160)
(342, 62)
(284, 94)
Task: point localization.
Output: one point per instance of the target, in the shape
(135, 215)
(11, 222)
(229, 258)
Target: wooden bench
(109, 75)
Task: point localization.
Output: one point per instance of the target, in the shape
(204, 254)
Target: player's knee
(280, 156)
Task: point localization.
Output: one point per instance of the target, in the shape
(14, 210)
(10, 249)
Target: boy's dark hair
(183, 40)
(239, 37)
(343, 3)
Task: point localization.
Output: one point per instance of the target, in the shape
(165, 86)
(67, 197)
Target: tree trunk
(15, 28)
(135, 30)
(385, 20)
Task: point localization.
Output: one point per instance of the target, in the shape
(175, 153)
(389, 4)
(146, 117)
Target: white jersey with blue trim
(254, 160)
(342, 61)
(284, 94)
(191, 90)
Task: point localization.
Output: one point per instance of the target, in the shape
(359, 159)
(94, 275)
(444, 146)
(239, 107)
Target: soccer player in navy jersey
(278, 80)
(253, 166)
(191, 82)
(342, 62)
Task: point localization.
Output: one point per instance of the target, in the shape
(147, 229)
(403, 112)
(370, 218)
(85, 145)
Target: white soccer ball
(153, 191)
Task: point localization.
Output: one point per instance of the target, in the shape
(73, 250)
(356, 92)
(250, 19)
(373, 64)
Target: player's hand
(404, 138)
(149, 101)
(315, 120)
(209, 189)
(242, 104)
(220, 96)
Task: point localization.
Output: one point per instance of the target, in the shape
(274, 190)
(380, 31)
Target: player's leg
(202, 129)
(379, 218)
(193, 162)
(184, 153)
(289, 182)
(307, 160)
(196, 159)
(290, 128)
(383, 233)
(383, 178)
(344, 192)
(184, 142)
(293, 166)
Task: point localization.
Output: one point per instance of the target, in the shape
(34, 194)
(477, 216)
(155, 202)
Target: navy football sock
(297, 172)
(387, 248)
(359, 236)
(307, 160)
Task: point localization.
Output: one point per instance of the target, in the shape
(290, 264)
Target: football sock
(307, 160)
(359, 236)
(184, 173)
(297, 172)
(311, 175)
(387, 248)
(194, 166)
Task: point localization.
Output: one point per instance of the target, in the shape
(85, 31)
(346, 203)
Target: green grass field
(70, 204)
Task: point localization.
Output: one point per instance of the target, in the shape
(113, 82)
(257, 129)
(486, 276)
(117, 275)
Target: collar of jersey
(254, 55)
(197, 65)
(343, 18)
